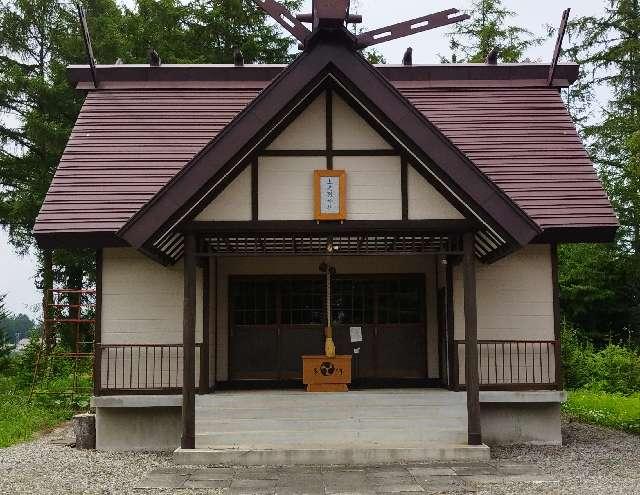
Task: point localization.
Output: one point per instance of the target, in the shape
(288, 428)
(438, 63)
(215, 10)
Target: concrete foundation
(138, 423)
(365, 426)
(521, 423)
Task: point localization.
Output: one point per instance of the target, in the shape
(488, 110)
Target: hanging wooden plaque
(330, 187)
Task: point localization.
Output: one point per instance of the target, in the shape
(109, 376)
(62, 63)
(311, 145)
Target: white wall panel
(142, 300)
(350, 131)
(307, 131)
(425, 202)
(285, 187)
(233, 203)
(514, 295)
(374, 189)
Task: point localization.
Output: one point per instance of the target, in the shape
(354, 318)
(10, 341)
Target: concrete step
(304, 399)
(296, 423)
(338, 409)
(338, 437)
(331, 456)
(425, 417)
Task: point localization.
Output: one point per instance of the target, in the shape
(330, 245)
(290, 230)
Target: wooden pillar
(97, 332)
(188, 342)
(215, 324)
(454, 368)
(471, 341)
(204, 349)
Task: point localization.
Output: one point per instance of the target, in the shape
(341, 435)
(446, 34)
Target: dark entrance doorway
(275, 320)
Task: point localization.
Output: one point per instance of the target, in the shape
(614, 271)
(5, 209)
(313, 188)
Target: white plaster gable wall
(285, 187)
(350, 131)
(374, 190)
(285, 183)
(307, 131)
(234, 203)
(424, 202)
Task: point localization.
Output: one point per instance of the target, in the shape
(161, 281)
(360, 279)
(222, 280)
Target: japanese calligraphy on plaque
(330, 190)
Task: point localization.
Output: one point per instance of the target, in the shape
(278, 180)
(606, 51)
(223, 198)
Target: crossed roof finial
(332, 14)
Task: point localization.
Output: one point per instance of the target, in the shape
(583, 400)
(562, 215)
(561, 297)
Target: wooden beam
(453, 361)
(412, 26)
(216, 265)
(188, 341)
(333, 152)
(329, 128)
(404, 175)
(348, 226)
(254, 190)
(558, 49)
(204, 349)
(556, 317)
(97, 334)
(471, 341)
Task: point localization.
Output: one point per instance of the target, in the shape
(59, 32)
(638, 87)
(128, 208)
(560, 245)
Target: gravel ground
(593, 461)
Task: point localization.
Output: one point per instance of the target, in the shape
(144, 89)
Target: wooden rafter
(413, 26)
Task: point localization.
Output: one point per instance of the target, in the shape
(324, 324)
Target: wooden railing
(139, 368)
(512, 364)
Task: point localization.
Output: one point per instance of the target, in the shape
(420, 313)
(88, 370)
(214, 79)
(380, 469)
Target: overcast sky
(17, 273)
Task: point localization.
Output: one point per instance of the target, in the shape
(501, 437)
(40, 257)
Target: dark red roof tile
(128, 143)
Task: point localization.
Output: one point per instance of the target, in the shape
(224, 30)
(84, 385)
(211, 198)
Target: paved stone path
(433, 478)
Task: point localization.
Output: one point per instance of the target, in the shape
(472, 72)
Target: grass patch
(21, 418)
(605, 409)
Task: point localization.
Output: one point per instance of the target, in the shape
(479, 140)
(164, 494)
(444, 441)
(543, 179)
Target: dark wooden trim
(141, 391)
(441, 308)
(255, 180)
(557, 328)
(453, 352)
(604, 234)
(206, 341)
(326, 153)
(97, 336)
(188, 341)
(348, 226)
(472, 379)
(511, 387)
(404, 171)
(216, 265)
(278, 325)
(72, 240)
(329, 127)
(399, 137)
(257, 75)
(309, 72)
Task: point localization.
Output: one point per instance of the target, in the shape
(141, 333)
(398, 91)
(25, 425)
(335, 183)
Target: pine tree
(487, 29)
(39, 38)
(608, 48)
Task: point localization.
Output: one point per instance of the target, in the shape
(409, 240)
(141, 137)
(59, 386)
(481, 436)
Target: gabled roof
(180, 199)
(145, 124)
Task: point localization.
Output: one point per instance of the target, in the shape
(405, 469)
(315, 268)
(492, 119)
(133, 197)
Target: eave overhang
(132, 76)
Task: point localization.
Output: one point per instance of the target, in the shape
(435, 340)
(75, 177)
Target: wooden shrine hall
(383, 229)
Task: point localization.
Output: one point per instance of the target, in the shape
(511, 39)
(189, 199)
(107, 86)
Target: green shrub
(614, 369)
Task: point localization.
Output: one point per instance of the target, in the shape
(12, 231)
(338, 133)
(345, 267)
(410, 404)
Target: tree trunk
(47, 298)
